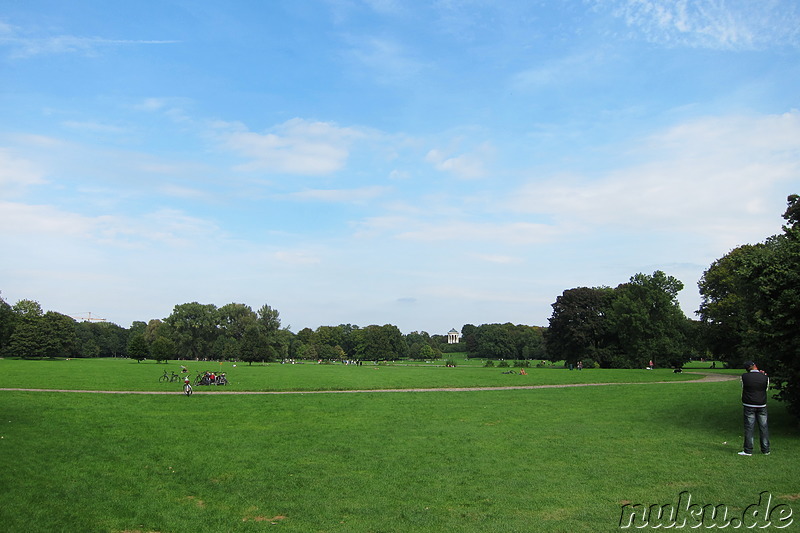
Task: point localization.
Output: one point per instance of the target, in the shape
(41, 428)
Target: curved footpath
(707, 378)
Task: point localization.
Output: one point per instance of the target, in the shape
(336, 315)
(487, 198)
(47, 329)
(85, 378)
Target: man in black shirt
(754, 402)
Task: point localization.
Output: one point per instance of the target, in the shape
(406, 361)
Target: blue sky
(423, 164)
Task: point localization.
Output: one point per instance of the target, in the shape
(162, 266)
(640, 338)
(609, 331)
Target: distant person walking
(754, 403)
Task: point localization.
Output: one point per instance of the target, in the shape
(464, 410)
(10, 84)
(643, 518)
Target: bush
(488, 364)
(502, 364)
(522, 364)
(450, 363)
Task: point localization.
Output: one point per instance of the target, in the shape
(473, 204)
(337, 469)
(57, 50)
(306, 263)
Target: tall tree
(194, 327)
(380, 343)
(578, 326)
(728, 303)
(162, 349)
(647, 322)
(57, 334)
(138, 348)
(234, 319)
(7, 321)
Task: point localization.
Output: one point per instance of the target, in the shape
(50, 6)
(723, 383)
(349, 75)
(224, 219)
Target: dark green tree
(254, 346)
(138, 348)
(647, 323)
(729, 303)
(194, 328)
(162, 349)
(380, 343)
(57, 335)
(579, 328)
(751, 305)
(7, 322)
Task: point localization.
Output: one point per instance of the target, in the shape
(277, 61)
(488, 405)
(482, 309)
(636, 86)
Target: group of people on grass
(210, 378)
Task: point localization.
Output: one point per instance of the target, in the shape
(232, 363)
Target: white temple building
(453, 336)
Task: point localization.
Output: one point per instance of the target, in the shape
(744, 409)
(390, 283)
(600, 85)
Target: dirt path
(707, 378)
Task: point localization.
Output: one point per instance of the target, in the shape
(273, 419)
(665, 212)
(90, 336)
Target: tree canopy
(625, 327)
(751, 306)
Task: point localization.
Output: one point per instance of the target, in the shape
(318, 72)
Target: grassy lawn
(558, 459)
(128, 375)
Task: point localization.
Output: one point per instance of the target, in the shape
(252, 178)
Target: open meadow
(561, 459)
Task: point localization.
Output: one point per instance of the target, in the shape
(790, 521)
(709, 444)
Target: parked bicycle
(166, 378)
(210, 378)
(187, 387)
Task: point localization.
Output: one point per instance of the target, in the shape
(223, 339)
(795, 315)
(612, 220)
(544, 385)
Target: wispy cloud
(716, 176)
(23, 45)
(17, 174)
(48, 223)
(710, 23)
(432, 229)
(92, 126)
(357, 196)
(468, 165)
(383, 59)
(297, 146)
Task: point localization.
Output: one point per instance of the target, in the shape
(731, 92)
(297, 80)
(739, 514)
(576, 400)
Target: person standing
(754, 403)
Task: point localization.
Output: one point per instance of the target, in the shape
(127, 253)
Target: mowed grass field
(552, 459)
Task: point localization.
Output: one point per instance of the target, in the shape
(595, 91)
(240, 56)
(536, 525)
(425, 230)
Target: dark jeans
(751, 414)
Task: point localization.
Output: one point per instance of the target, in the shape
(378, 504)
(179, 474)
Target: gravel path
(707, 378)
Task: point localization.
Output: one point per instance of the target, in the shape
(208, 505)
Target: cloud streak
(22, 46)
(297, 146)
(733, 25)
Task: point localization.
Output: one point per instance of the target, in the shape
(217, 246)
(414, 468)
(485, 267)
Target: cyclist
(187, 387)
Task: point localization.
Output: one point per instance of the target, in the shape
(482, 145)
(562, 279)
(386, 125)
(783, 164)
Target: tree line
(204, 331)
(629, 326)
(750, 306)
(750, 309)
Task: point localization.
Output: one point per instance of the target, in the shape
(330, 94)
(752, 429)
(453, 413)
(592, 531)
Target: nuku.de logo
(685, 514)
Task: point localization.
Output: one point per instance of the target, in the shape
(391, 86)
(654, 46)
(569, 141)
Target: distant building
(453, 336)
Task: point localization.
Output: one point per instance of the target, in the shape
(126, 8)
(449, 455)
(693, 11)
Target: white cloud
(465, 166)
(559, 72)
(296, 257)
(92, 126)
(710, 23)
(297, 146)
(361, 195)
(722, 178)
(165, 227)
(432, 228)
(497, 259)
(17, 174)
(23, 45)
(387, 61)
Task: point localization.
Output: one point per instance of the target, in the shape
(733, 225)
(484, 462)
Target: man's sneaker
(745, 453)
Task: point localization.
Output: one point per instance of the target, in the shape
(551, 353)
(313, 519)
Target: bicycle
(187, 388)
(221, 379)
(166, 378)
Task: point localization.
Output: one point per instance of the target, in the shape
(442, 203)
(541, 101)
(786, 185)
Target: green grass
(559, 459)
(128, 375)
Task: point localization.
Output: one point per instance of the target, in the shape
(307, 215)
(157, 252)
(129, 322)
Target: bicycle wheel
(187, 389)
(163, 379)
